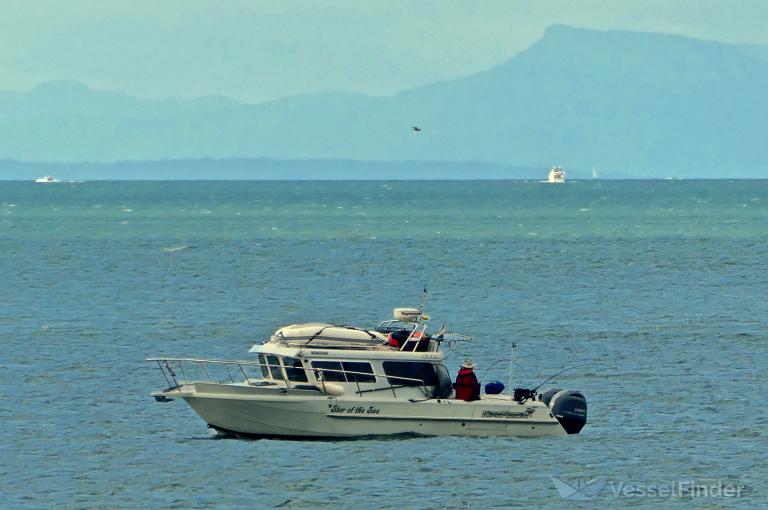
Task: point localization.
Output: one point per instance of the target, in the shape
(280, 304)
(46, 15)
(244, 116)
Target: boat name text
(354, 410)
(509, 414)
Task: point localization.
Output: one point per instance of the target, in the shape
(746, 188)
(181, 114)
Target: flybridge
(406, 332)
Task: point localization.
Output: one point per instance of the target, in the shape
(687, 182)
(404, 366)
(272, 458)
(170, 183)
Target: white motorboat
(556, 174)
(321, 380)
(46, 179)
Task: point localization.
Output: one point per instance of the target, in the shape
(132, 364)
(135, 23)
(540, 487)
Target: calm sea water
(658, 288)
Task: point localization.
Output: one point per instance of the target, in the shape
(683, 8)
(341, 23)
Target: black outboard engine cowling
(569, 407)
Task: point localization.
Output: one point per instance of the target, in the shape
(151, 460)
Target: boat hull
(259, 413)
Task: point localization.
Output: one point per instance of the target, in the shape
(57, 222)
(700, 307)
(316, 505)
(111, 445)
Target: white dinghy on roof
(318, 334)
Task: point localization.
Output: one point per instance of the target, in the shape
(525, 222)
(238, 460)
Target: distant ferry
(556, 174)
(47, 178)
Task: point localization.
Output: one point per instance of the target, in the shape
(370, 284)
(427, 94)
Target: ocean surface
(658, 288)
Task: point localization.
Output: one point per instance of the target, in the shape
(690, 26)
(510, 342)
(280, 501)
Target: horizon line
(379, 179)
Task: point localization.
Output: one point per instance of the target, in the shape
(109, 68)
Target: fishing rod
(489, 369)
(523, 394)
(511, 362)
(559, 373)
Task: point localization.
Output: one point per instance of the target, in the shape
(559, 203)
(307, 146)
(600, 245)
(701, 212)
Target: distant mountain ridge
(631, 104)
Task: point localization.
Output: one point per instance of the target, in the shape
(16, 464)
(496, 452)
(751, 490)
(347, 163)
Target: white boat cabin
(398, 358)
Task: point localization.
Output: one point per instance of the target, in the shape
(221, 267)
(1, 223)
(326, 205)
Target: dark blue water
(658, 288)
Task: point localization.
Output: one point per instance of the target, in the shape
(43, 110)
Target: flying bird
(415, 128)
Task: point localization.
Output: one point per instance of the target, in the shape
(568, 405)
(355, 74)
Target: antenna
(418, 321)
(511, 364)
(422, 300)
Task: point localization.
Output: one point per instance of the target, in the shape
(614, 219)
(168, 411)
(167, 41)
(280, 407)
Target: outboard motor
(568, 406)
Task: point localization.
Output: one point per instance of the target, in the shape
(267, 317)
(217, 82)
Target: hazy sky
(259, 50)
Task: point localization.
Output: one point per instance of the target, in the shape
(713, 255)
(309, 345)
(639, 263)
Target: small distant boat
(556, 174)
(46, 179)
(594, 173)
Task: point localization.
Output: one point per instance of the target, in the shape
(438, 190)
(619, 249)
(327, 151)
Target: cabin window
(327, 375)
(294, 369)
(424, 372)
(355, 366)
(263, 366)
(444, 388)
(274, 367)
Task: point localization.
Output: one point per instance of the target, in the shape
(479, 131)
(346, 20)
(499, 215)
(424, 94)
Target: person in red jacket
(466, 385)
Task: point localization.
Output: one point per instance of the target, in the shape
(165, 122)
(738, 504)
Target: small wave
(171, 249)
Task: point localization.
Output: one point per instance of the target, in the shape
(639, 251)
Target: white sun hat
(468, 363)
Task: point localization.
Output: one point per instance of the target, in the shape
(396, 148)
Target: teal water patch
(657, 286)
(377, 210)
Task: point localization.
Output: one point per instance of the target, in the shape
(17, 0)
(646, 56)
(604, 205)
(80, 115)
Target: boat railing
(201, 370)
(416, 336)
